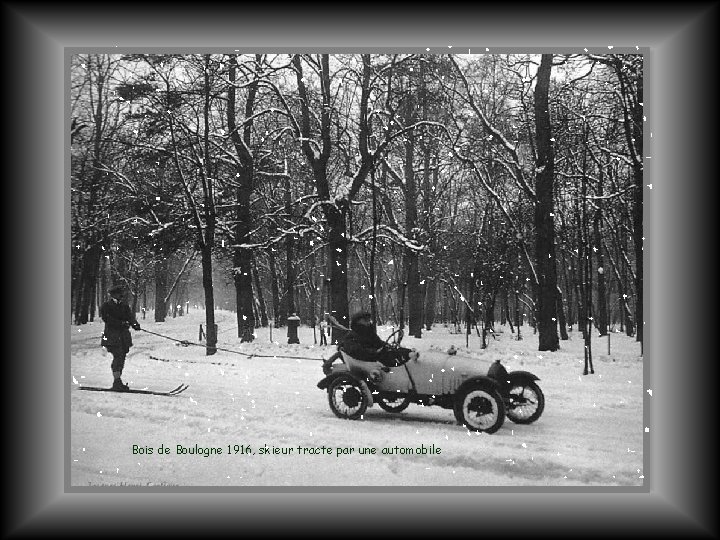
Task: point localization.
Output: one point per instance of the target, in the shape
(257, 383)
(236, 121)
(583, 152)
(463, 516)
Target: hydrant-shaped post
(293, 322)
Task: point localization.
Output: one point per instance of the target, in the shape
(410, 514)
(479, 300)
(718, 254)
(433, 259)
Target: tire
(479, 407)
(526, 402)
(399, 404)
(347, 398)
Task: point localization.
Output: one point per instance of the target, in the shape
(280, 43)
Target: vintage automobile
(480, 395)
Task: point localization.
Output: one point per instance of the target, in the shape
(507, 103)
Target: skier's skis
(174, 392)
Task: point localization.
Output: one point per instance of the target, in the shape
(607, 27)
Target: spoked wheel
(526, 402)
(394, 404)
(347, 399)
(480, 408)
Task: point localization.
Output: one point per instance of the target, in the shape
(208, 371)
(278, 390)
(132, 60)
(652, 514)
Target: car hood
(436, 373)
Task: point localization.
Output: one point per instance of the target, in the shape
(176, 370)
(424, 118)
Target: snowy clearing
(591, 433)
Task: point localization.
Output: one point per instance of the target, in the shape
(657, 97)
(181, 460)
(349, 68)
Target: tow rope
(186, 343)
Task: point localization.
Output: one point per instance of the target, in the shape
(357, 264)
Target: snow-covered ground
(591, 433)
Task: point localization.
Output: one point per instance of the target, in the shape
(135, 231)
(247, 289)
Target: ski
(174, 392)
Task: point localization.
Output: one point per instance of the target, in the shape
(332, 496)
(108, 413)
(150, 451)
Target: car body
(480, 393)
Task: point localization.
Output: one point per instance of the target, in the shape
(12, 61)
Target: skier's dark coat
(118, 318)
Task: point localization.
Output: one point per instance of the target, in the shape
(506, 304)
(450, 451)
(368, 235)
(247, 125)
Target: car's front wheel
(347, 398)
(479, 407)
(526, 402)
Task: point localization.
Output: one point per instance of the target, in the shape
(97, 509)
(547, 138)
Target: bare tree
(544, 212)
(244, 182)
(203, 211)
(94, 109)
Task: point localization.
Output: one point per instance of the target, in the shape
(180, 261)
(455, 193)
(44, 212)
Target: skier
(118, 318)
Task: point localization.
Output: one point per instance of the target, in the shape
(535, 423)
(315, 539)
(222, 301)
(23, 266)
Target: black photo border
(679, 290)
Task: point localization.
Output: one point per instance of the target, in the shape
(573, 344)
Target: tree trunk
(161, 275)
(312, 292)
(638, 212)
(289, 254)
(207, 240)
(335, 210)
(401, 293)
(337, 248)
(561, 316)
(242, 257)
(259, 294)
(92, 284)
(489, 310)
(602, 322)
(93, 251)
(569, 289)
(430, 302)
(469, 304)
(415, 299)
(278, 313)
(242, 274)
(506, 310)
(544, 209)
(290, 275)
(373, 253)
(88, 274)
(211, 335)
(585, 269)
(624, 293)
(415, 295)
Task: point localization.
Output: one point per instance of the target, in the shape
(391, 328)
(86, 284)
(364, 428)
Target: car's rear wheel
(347, 398)
(479, 407)
(526, 402)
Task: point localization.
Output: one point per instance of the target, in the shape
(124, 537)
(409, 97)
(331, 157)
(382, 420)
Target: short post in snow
(293, 321)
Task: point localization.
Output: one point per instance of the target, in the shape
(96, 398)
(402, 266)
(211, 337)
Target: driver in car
(362, 343)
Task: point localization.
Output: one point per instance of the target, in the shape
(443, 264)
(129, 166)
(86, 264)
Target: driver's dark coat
(362, 343)
(118, 318)
(365, 346)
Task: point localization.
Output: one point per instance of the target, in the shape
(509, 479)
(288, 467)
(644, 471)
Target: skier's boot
(120, 386)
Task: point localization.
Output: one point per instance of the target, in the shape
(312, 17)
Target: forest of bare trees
(465, 190)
